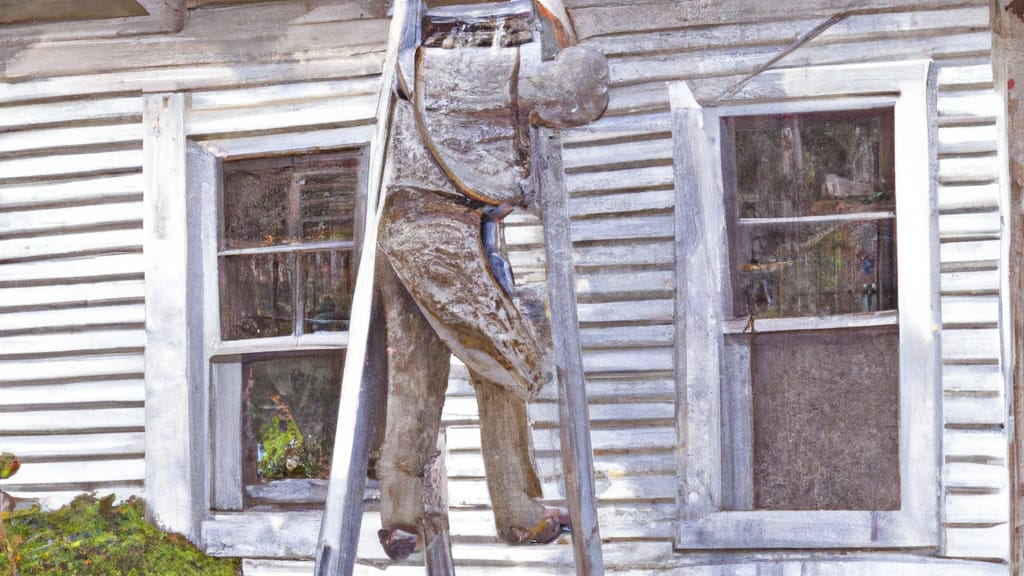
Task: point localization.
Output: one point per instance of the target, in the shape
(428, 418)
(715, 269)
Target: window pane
(327, 279)
(327, 204)
(826, 439)
(256, 208)
(814, 269)
(256, 299)
(814, 164)
(287, 200)
(291, 406)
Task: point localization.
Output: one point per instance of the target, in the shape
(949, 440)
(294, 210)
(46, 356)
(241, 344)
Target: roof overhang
(28, 22)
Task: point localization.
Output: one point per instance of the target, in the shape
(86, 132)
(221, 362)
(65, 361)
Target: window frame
(704, 297)
(228, 357)
(183, 355)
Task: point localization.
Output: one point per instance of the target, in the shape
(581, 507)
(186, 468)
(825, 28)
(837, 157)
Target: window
(810, 212)
(807, 349)
(285, 274)
(285, 261)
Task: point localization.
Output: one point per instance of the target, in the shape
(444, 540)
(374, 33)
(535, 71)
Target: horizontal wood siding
(72, 320)
(975, 497)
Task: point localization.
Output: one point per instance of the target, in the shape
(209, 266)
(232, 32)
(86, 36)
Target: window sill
(786, 529)
(230, 351)
(859, 320)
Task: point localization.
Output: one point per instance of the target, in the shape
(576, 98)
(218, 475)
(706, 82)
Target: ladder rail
(573, 412)
(362, 394)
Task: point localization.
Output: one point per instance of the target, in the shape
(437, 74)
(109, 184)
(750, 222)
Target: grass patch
(94, 537)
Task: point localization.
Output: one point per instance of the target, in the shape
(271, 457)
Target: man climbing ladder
(460, 153)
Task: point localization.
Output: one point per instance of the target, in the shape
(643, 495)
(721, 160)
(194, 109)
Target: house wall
(72, 310)
(72, 325)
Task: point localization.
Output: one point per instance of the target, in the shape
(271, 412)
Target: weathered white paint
(357, 62)
(104, 188)
(42, 139)
(66, 164)
(82, 368)
(71, 219)
(76, 446)
(128, 390)
(176, 488)
(75, 317)
(105, 110)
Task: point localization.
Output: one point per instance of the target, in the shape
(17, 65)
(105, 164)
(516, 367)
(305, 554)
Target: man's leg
(418, 363)
(512, 481)
(433, 244)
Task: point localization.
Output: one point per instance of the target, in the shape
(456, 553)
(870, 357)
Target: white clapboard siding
(70, 244)
(968, 169)
(970, 345)
(36, 371)
(988, 445)
(70, 164)
(217, 38)
(64, 192)
(72, 343)
(73, 318)
(121, 214)
(108, 267)
(602, 155)
(617, 180)
(625, 203)
(968, 106)
(968, 139)
(298, 141)
(970, 310)
(81, 474)
(281, 116)
(106, 110)
(363, 63)
(126, 390)
(983, 280)
(974, 410)
(65, 421)
(623, 285)
(71, 295)
(975, 476)
(968, 197)
(991, 542)
(969, 252)
(983, 378)
(75, 446)
(44, 138)
(286, 92)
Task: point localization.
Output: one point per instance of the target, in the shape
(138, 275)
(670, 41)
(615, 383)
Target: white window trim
(187, 366)
(702, 269)
(226, 357)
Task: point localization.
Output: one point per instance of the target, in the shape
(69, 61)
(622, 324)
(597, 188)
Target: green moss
(282, 448)
(93, 537)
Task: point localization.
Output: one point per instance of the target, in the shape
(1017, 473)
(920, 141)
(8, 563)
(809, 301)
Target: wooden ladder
(364, 380)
